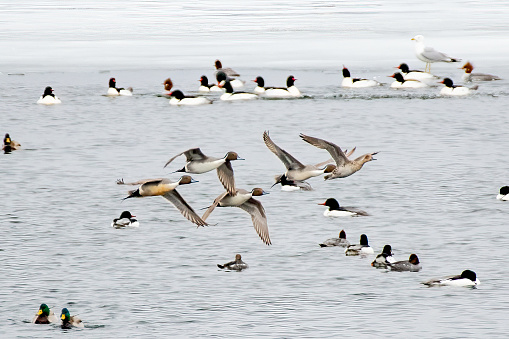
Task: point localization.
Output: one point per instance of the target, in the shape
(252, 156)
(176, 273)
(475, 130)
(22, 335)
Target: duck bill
(322, 204)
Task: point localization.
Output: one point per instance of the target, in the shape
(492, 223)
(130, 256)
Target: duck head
(257, 191)
(177, 95)
(186, 179)
(48, 91)
(112, 83)
(346, 72)
(238, 257)
(404, 68)
(447, 82)
(413, 259)
(65, 315)
(218, 64)
(364, 240)
(398, 76)
(168, 84)
(232, 156)
(387, 250)
(43, 310)
(126, 214)
(290, 81)
(133, 194)
(468, 274)
(468, 67)
(342, 234)
(221, 76)
(259, 81)
(7, 139)
(332, 203)
(504, 190)
(204, 81)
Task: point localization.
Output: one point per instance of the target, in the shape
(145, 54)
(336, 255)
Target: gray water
(431, 191)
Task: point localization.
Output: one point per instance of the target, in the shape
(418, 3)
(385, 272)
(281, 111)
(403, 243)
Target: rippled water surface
(431, 191)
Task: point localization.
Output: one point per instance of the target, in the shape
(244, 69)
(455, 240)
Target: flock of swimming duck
(295, 175)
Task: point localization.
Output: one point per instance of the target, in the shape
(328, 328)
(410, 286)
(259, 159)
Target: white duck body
(49, 100)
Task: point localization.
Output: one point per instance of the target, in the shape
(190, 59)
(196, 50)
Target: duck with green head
(44, 316)
(69, 321)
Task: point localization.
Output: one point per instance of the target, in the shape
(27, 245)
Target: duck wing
(287, 159)
(225, 175)
(333, 149)
(187, 211)
(257, 212)
(214, 205)
(191, 154)
(141, 182)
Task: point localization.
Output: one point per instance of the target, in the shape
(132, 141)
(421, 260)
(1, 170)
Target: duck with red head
(114, 91)
(228, 71)
(341, 241)
(469, 76)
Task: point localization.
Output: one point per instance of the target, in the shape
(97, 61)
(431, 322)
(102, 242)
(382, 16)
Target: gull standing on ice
(429, 54)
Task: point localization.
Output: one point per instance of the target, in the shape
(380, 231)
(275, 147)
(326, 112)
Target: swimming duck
(230, 95)
(290, 91)
(503, 194)
(245, 201)
(167, 189)
(228, 71)
(179, 99)
(236, 265)
(291, 185)
(48, 98)
(348, 81)
(362, 248)
(295, 170)
(114, 91)
(467, 278)
(168, 85)
(125, 220)
(451, 89)
(411, 265)
(341, 241)
(44, 316)
(401, 82)
(384, 258)
(69, 321)
(335, 210)
(429, 54)
(344, 166)
(414, 74)
(235, 83)
(469, 76)
(9, 144)
(197, 163)
(206, 87)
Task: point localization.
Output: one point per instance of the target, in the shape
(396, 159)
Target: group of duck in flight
(228, 82)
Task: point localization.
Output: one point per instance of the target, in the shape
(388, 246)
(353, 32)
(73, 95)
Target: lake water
(431, 191)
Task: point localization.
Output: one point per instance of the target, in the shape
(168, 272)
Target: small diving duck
(230, 95)
(384, 259)
(48, 98)
(414, 74)
(126, 220)
(69, 321)
(362, 248)
(236, 83)
(469, 76)
(205, 87)
(114, 91)
(228, 71)
(9, 144)
(236, 265)
(348, 81)
(410, 265)
(341, 241)
(335, 210)
(451, 89)
(401, 82)
(179, 99)
(168, 85)
(44, 316)
(467, 278)
(503, 194)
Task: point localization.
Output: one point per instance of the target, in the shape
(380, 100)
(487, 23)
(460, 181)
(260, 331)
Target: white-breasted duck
(179, 99)
(114, 91)
(126, 219)
(198, 163)
(167, 189)
(205, 87)
(245, 201)
(401, 82)
(503, 193)
(451, 89)
(362, 248)
(48, 98)
(335, 210)
(467, 278)
(413, 74)
(350, 82)
(230, 94)
(383, 259)
(341, 241)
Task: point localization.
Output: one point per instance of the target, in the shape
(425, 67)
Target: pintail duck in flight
(344, 166)
(167, 189)
(244, 200)
(198, 163)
